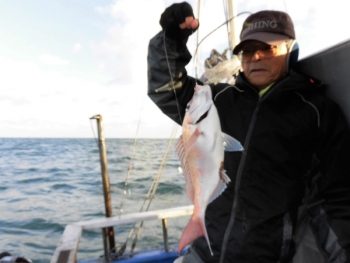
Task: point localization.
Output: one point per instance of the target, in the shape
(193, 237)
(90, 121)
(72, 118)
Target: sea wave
(49, 183)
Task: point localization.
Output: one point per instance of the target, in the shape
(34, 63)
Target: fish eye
(187, 107)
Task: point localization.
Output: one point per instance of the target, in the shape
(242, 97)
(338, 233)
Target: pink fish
(201, 151)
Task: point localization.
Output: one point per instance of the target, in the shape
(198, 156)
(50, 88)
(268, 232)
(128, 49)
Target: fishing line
(154, 186)
(228, 20)
(195, 57)
(93, 132)
(171, 77)
(285, 5)
(151, 193)
(156, 181)
(126, 183)
(197, 37)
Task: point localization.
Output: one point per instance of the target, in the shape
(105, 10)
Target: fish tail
(194, 229)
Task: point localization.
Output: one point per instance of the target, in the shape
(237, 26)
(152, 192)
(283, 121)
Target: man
(293, 137)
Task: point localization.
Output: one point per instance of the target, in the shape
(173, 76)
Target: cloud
(123, 51)
(47, 103)
(77, 48)
(51, 60)
(18, 101)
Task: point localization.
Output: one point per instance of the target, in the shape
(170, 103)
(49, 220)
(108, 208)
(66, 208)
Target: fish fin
(194, 229)
(218, 191)
(222, 173)
(224, 177)
(180, 150)
(231, 144)
(224, 180)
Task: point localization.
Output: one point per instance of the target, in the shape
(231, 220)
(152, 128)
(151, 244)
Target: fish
(201, 148)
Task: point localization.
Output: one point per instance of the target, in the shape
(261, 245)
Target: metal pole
(105, 244)
(165, 234)
(109, 233)
(232, 28)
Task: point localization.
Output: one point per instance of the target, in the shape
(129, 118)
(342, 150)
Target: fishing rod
(224, 23)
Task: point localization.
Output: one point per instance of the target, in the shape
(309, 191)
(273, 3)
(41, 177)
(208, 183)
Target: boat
(328, 66)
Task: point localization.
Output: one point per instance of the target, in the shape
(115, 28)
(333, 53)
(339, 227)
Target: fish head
(198, 107)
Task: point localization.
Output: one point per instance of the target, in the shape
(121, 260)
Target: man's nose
(256, 55)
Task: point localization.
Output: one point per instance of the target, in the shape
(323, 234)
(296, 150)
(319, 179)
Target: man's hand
(178, 21)
(190, 23)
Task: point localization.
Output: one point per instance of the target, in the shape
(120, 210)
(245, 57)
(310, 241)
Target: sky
(64, 61)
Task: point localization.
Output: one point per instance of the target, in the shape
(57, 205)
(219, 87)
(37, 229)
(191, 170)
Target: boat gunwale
(68, 245)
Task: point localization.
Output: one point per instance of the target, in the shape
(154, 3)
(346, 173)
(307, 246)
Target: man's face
(261, 71)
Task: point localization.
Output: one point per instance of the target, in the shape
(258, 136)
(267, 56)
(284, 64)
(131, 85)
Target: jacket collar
(292, 81)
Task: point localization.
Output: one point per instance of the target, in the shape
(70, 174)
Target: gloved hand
(178, 21)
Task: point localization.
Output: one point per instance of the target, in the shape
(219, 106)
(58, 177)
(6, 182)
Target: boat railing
(67, 249)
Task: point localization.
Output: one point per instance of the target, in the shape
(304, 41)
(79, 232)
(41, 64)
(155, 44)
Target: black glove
(171, 19)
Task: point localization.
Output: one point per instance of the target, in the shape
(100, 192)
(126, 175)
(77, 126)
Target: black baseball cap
(270, 27)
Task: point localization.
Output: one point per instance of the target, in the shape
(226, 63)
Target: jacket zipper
(238, 182)
(240, 170)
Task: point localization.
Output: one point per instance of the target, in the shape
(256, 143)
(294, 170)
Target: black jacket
(295, 141)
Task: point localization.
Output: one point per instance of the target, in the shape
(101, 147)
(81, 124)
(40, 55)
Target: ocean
(49, 183)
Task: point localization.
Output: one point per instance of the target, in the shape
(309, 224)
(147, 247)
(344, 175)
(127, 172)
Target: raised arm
(167, 58)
